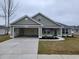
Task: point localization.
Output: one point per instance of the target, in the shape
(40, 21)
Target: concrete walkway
(58, 56)
(19, 48)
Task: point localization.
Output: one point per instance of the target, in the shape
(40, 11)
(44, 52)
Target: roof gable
(45, 20)
(25, 21)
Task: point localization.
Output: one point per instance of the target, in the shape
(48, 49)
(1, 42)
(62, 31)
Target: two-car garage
(26, 32)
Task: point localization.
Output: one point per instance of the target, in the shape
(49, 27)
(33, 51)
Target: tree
(8, 10)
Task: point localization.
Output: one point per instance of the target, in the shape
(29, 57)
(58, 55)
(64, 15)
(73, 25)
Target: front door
(55, 32)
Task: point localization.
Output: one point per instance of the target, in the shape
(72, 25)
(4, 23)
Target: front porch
(37, 31)
(56, 32)
(49, 32)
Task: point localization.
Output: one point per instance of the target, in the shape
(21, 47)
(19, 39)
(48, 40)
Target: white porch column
(65, 32)
(71, 32)
(12, 32)
(61, 32)
(40, 32)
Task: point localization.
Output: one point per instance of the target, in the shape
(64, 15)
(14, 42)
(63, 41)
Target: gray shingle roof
(53, 22)
(63, 25)
(47, 22)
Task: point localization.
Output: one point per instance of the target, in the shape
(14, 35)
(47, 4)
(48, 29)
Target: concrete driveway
(19, 48)
(26, 48)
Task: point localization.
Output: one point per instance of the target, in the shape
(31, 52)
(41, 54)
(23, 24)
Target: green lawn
(4, 38)
(68, 46)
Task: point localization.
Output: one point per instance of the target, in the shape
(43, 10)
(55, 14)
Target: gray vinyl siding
(25, 22)
(45, 21)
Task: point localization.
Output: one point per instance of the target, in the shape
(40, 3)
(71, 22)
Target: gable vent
(26, 18)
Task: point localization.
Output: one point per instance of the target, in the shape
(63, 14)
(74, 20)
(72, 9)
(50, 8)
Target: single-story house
(38, 26)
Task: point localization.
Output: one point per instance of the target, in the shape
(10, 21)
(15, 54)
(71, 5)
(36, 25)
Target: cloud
(39, 3)
(64, 11)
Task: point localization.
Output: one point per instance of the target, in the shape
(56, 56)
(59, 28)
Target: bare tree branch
(8, 10)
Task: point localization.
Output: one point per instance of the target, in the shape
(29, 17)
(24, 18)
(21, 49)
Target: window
(46, 31)
(63, 31)
(39, 19)
(76, 30)
(66, 31)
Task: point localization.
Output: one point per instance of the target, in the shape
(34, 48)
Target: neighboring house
(38, 26)
(2, 27)
(2, 30)
(75, 29)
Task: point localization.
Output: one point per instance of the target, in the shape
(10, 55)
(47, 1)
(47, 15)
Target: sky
(63, 11)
